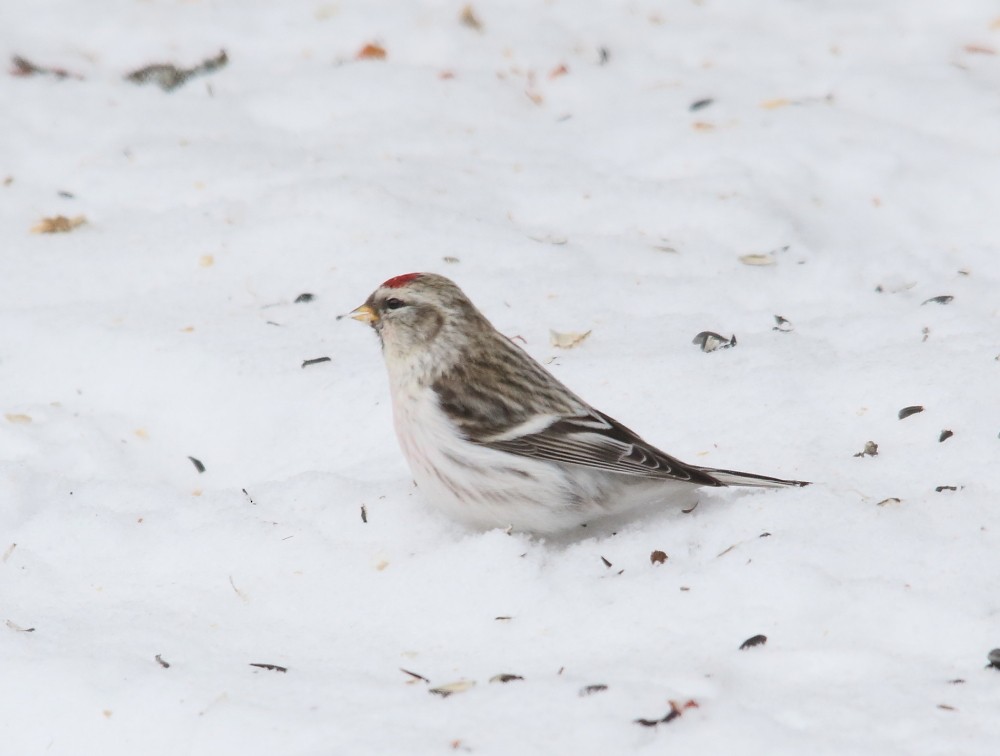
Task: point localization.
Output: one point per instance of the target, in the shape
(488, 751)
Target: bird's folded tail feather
(736, 478)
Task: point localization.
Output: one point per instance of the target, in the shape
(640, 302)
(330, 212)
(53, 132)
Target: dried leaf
(870, 450)
(18, 418)
(459, 686)
(468, 18)
(567, 340)
(980, 49)
(778, 102)
(168, 76)
(371, 51)
(658, 557)
(702, 126)
(558, 71)
(58, 224)
(765, 258)
(709, 341)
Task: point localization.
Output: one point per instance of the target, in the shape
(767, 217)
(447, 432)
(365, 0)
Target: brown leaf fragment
(18, 418)
(169, 76)
(890, 500)
(23, 67)
(315, 361)
(945, 435)
(676, 710)
(371, 51)
(58, 224)
(469, 18)
(757, 640)
(159, 660)
(272, 667)
(658, 557)
(606, 562)
(702, 126)
(911, 410)
(870, 450)
(567, 340)
(589, 690)
(459, 686)
(979, 49)
(505, 677)
(414, 675)
(560, 70)
(7, 552)
(942, 300)
(197, 464)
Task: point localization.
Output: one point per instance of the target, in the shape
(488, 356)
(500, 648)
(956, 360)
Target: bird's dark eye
(393, 304)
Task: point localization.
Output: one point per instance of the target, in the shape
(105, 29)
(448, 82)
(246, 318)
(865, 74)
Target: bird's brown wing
(598, 441)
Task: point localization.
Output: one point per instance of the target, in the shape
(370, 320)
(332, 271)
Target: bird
(493, 439)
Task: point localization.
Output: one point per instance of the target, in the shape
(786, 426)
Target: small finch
(494, 439)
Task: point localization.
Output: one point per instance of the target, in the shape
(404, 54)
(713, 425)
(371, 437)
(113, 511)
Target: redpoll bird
(492, 438)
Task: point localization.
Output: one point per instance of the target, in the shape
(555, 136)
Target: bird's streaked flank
(493, 438)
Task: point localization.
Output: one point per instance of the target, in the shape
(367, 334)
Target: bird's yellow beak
(365, 314)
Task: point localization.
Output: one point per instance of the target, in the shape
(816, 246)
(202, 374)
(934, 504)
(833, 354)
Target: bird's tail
(735, 478)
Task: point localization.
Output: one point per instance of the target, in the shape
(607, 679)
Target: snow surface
(856, 143)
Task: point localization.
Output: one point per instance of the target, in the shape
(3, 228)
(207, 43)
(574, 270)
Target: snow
(856, 144)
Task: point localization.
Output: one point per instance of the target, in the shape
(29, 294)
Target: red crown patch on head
(395, 283)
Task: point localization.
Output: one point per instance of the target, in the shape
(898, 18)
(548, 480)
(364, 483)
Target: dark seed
(272, 667)
(945, 435)
(159, 660)
(939, 489)
(589, 690)
(505, 677)
(606, 562)
(757, 640)
(315, 361)
(364, 514)
(699, 104)
(305, 297)
(943, 299)
(912, 410)
(994, 658)
(197, 464)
